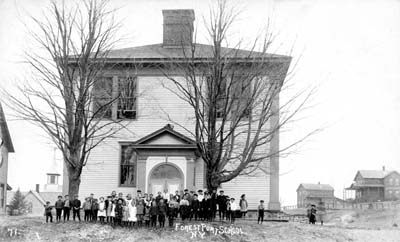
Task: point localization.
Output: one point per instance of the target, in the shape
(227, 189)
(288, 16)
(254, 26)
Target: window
(128, 166)
(52, 179)
(2, 191)
(122, 90)
(127, 98)
(397, 181)
(103, 97)
(391, 181)
(239, 100)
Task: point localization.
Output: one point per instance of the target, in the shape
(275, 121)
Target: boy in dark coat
(213, 204)
(119, 212)
(162, 211)
(153, 213)
(221, 201)
(195, 208)
(261, 209)
(95, 209)
(59, 207)
(76, 206)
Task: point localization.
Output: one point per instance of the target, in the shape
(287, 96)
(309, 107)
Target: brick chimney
(383, 168)
(178, 27)
(37, 188)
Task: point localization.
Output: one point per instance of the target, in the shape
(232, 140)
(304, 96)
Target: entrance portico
(165, 160)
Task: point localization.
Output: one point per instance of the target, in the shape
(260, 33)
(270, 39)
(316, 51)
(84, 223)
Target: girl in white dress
(132, 212)
(112, 213)
(102, 210)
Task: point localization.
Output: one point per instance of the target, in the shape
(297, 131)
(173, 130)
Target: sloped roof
(311, 186)
(42, 197)
(159, 52)
(49, 196)
(5, 134)
(146, 141)
(373, 174)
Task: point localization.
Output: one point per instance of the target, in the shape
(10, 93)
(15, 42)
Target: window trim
(115, 92)
(120, 170)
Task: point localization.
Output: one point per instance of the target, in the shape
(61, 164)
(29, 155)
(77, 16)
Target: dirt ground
(341, 226)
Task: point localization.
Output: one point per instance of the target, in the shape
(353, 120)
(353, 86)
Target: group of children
(147, 210)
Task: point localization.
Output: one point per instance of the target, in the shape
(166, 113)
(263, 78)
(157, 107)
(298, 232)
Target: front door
(165, 176)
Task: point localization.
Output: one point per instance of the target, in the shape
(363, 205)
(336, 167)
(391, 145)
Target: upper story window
(115, 98)
(234, 97)
(127, 98)
(103, 97)
(391, 181)
(397, 181)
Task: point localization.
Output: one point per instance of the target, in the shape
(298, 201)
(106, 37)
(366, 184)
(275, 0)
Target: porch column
(274, 203)
(189, 173)
(141, 174)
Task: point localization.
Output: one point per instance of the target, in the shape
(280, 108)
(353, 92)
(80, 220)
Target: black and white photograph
(190, 120)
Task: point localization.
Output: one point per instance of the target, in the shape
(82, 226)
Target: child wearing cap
(47, 212)
(261, 209)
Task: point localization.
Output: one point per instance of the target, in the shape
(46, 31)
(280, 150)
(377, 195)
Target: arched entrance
(165, 176)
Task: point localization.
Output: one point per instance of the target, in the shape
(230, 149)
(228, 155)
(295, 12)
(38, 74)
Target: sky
(347, 49)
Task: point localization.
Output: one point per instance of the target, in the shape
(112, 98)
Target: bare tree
(66, 96)
(234, 95)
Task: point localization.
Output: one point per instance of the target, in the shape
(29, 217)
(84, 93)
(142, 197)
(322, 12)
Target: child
(119, 212)
(47, 212)
(102, 210)
(162, 211)
(59, 207)
(146, 216)
(261, 208)
(195, 208)
(112, 212)
(153, 213)
(233, 209)
(243, 206)
(172, 210)
(125, 215)
(66, 208)
(184, 207)
(95, 209)
(109, 206)
(76, 207)
(132, 212)
(228, 208)
(140, 212)
(87, 208)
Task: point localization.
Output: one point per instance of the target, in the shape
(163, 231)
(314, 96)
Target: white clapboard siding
(255, 188)
(102, 173)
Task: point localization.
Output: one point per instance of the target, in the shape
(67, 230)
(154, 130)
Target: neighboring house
(376, 185)
(315, 194)
(150, 154)
(6, 147)
(35, 200)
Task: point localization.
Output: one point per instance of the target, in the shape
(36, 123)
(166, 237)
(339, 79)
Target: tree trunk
(212, 181)
(73, 185)
(74, 178)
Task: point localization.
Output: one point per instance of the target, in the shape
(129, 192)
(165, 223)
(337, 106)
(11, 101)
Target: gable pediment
(165, 136)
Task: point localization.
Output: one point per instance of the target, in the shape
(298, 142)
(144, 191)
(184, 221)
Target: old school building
(6, 147)
(152, 153)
